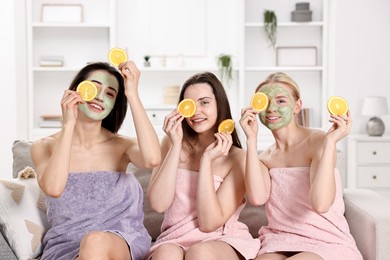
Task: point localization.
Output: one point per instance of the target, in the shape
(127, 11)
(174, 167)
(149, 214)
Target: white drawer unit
(368, 163)
(157, 116)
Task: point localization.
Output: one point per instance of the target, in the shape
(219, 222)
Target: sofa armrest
(368, 216)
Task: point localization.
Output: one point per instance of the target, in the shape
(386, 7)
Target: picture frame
(296, 56)
(62, 13)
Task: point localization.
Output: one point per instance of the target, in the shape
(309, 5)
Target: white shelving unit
(90, 41)
(78, 43)
(258, 58)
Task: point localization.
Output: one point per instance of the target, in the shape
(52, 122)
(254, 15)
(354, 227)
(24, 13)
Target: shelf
(288, 24)
(280, 68)
(177, 69)
(69, 25)
(56, 69)
(142, 69)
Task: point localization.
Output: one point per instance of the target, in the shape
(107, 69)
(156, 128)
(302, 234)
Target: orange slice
(226, 126)
(337, 106)
(117, 56)
(87, 90)
(187, 107)
(259, 101)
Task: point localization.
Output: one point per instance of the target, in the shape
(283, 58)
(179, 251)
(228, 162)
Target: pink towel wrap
(294, 226)
(180, 225)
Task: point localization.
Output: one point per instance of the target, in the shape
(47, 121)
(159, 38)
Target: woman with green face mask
(95, 209)
(296, 179)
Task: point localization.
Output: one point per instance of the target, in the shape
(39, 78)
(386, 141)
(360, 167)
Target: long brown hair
(223, 107)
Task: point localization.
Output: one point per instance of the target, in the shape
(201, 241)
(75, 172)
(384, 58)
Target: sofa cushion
(22, 214)
(21, 156)
(152, 219)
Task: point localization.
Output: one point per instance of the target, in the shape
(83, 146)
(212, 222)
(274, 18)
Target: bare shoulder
(237, 156)
(315, 137)
(45, 143)
(43, 148)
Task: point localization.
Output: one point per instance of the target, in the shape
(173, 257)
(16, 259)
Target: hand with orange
(131, 75)
(259, 102)
(69, 107)
(223, 141)
(340, 118)
(118, 58)
(220, 147)
(172, 127)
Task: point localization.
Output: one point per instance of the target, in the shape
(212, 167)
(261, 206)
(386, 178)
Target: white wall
(362, 55)
(8, 112)
(359, 63)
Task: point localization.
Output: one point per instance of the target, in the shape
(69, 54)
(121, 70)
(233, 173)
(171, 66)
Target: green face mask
(280, 110)
(100, 107)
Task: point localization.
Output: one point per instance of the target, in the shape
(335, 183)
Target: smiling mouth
(272, 118)
(198, 120)
(96, 106)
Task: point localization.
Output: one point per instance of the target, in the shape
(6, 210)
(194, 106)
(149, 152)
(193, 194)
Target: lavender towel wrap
(96, 201)
(294, 226)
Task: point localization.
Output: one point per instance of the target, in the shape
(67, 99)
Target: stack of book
(51, 61)
(303, 118)
(171, 95)
(50, 121)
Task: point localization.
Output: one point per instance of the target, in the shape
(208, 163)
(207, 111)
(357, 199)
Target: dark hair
(114, 120)
(223, 107)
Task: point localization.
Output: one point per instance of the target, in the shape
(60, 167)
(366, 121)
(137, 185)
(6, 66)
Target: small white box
(296, 56)
(62, 13)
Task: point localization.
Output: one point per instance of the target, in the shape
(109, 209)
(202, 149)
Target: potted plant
(270, 26)
(146, 62)
(225, 67)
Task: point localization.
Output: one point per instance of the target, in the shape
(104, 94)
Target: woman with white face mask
(95, 209)
(296, 179)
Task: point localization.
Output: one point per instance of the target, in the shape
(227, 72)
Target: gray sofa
(367, 213)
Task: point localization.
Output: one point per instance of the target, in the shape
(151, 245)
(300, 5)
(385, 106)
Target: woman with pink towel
(200, 184)
(296, 179)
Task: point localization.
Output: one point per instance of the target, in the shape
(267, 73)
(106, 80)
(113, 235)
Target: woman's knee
(168, 251)
(97, 245)
(211, 250)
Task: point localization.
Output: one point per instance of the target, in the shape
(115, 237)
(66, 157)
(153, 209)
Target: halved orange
(187, 107)
(226, 126)
(117, 56)
(87, 90)
(259, 101)
(337, 106)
